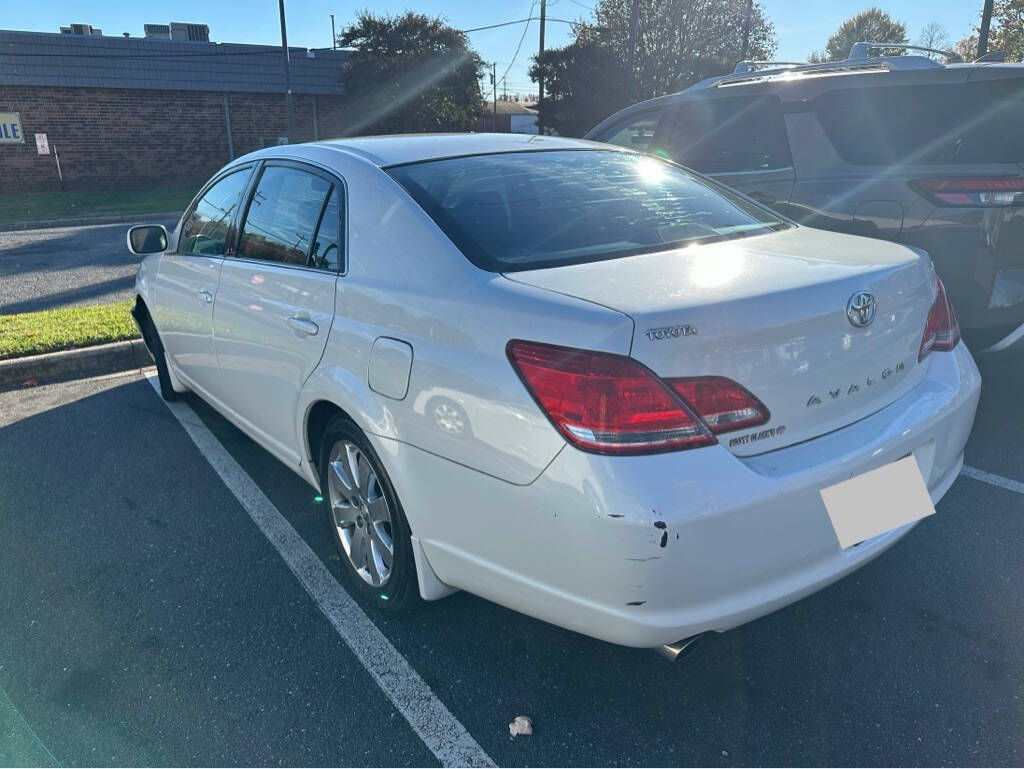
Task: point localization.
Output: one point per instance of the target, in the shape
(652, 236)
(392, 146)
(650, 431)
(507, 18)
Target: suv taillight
(941, 330)
(611, 404)
(973, 191)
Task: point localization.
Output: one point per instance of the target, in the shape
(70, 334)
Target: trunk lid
(770, 312)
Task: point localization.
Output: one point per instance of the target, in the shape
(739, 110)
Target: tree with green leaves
(678, 42)
(408, 73)
(672, 44)
(585, 83)
(872, 25)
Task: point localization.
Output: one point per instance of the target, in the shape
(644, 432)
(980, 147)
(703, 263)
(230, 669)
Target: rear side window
(283, 216)
(326, 253)
(208, 226)
(738, 134)
(929, 124)
(635, 132)
(525, 210)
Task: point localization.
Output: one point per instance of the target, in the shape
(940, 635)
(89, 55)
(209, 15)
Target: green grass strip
(32, 333)
(33, 206)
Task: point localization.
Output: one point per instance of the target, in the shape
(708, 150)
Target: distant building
(131, 111)
(511, 117)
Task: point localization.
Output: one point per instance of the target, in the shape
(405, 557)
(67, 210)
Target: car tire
(364, 517)
(156, 349)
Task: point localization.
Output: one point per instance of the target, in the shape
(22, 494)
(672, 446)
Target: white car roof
(412, 148)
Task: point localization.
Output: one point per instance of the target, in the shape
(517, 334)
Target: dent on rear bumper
(647, 550)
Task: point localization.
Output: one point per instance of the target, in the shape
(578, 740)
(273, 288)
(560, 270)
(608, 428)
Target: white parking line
(991, 478)
(440, 731)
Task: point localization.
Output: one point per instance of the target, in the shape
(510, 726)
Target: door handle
(206, 296)
(304, 326)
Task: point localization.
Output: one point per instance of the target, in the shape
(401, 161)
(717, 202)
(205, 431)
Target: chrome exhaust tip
(679, 649)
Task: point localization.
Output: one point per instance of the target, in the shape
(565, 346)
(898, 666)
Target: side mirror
(147, 239)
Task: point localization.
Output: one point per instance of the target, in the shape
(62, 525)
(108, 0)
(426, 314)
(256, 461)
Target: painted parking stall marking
(440, 731)
(993, 479)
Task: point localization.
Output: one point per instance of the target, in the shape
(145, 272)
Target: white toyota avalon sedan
(586, 384)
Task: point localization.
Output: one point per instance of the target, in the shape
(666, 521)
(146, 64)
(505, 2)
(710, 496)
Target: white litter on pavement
(520, 725)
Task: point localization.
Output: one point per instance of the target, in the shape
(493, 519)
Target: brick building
(126, 111)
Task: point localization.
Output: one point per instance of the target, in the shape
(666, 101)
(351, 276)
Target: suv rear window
(524, 210)
(930, 124)
(730, 135)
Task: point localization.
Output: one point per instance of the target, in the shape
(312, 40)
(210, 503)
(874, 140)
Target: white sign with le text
(10, 128)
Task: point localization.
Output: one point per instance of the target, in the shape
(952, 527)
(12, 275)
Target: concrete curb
(82, 363)
(82, 221)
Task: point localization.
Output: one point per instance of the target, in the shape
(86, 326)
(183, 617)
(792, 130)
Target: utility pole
(334, 36)
(746, 31)
(986, 22)
(634, 22)
(287, 74)
(494, 95)
(540, 80)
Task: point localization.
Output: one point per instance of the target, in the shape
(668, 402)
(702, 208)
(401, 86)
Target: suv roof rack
(750, 66)
(749, 75)
(859, 60)
(863, 51)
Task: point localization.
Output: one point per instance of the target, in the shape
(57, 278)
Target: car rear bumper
(647, 550)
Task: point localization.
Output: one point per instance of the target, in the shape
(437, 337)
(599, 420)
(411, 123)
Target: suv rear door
(275, 304)
(879, 142)
(739, 140)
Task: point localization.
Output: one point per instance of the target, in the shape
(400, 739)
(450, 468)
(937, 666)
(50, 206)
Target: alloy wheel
(361, 513)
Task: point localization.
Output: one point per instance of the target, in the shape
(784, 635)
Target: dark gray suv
(898, 147)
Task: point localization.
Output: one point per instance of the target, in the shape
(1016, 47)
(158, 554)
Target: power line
(559, 21)
(521, 38)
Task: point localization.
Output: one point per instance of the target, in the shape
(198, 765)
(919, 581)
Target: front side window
(730, 135)
(525, 210)
(208, 226)
(636, 132)
(283, 216)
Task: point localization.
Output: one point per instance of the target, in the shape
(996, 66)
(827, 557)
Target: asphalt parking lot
(146, 618)
(68, 266)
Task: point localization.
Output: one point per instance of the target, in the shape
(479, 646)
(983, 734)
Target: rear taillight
(941, 330)
(604, 403)
(722, 403)
(974, 191)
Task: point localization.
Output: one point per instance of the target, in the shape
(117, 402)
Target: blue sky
(801, 25)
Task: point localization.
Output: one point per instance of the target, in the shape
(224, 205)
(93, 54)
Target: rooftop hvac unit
(81, 29)
(197, 33)
(157, 30)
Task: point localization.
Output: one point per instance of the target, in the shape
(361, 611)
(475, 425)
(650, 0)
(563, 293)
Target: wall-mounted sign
(42, 145)
(10, 128)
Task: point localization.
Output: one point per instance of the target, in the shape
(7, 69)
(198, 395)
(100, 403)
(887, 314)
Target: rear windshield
(521, 211)
(930, 124)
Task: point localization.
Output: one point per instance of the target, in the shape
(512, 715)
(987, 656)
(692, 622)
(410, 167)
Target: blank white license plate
(870, 504)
